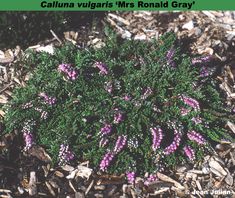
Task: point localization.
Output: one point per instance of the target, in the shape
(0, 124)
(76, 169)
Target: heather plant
(130, 107)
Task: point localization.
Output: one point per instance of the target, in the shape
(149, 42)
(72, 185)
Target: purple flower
(106, 161)
(120, 143)
(189, 152)
(147, 92)
(150, 178)
(175, 144)
(27, 134)
(118, 117)
(190, 102)
(204, 72)
(102, 67)
(28, 139)
(44, 114)
(27, 105)
(106, 130)
(70, 72)
(201, 60)
(157, 137)
(47, 99)
(130, 177)
(196, 137)
(65, 155)
(197, 120)
(170, 57)
(170, 54)
(184, 111)
(127, 98)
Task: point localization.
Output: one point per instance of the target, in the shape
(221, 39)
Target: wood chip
(198, 172)
(83, 172)
(189, 25)
(161, 191)
(3, 101)
(5, 190)
(209, 14)
(55, 36)
(53, 184)
(40, 153)
(32, 184)
(231, 126)
(72, 174)
(110, 179)
(133, 194)
(89, 187)
(48, 49)
(67, 168)
(52, 192)
(71, 186)
(229, 179)
(59, 174)
(198, 185)
(46, 170)
(7, 58)
(120, 19)
(2, 113)
(168, 179)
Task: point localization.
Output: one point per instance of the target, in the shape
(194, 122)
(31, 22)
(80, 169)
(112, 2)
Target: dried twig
(56, 37)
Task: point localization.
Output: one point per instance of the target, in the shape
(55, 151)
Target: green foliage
(84, 105)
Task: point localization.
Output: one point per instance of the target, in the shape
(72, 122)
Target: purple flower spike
(47, 99)
(106, 130)
(44, 114)
(102, 67)
(27, 105)
(175, 144)
(118, 117)
(151, 178)
(28, 139)
(27, 133)
(184, 111)
(189, 152)
(190, 102)
(130, 177)
(65, 155)
(127, 98)
(147, 92)
(170, 57)
(204, 72)
(104, 164)
(70, 72)
(120, 143)
(197, 120)
(157, 137)
(170, 54)
(196, 137)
